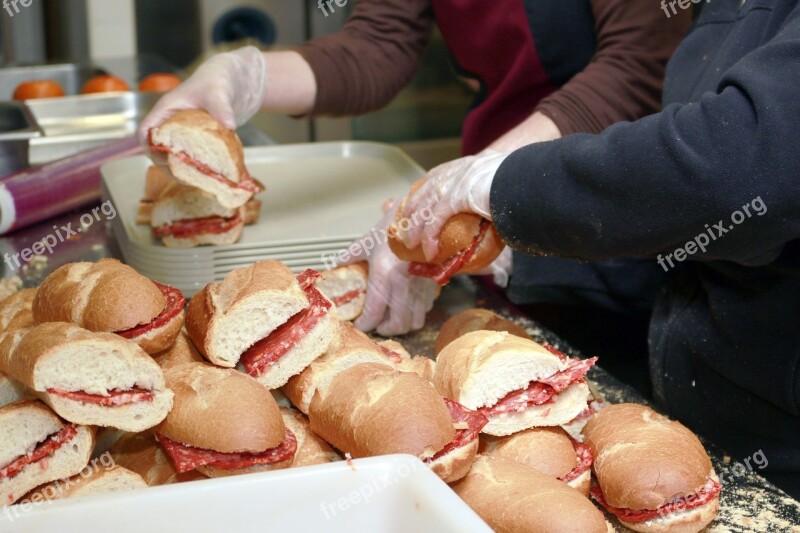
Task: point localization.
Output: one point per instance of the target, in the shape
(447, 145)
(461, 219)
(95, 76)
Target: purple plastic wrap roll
(45, 191)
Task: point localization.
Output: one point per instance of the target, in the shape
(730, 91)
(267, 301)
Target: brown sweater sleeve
(626, 75)
(377, 52)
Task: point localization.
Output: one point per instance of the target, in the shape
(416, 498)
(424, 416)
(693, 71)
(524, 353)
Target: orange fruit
(159, 83)
(32, 89)
(104, 84)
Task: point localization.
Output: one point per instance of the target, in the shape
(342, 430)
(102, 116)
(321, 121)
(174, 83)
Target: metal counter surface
(748, 502)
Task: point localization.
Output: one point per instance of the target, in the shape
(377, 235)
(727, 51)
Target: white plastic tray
(396, 493)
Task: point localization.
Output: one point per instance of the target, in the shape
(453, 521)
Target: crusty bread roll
(475, 320)
(88, 378)
(16, 310)
(643, 461)
(346, 287)
(482, 368)
(93, 480)
(547, 450)
(513, 498)
(140, 453)
(155, 181)
(423, 366)
(111, 297)
(348, 348)
(182, 352)
(225, 319)
(311, 450)
(29, 428)
(195, 143)
(224, 411)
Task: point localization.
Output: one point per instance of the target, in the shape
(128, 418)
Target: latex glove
(230, 86)
(501, 269)
(460, 186)
(396, 301)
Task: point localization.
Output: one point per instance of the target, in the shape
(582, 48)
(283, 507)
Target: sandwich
(550, 451)
(182, 352)
(311, 450)
(372, 409)
(15, 313)
(200, 152)
(96, 379)
(108, 296)
(91, 481)
(185, 217)
(348, 348)
(652, 473)
(346, 287)
(224, 423)
(38, 447)
(423, 366)
(468, 244)
(475, 320)
(516, 383)
(263, 318)
(513, 498)
(141, 453)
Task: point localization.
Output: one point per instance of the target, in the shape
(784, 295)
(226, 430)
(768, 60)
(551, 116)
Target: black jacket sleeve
(648, 187)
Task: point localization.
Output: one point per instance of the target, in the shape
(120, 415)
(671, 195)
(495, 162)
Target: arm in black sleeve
(648, 187)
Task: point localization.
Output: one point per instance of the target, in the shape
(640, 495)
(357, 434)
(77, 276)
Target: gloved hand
(396, 301)
(230, 86)
(501, 269)
(460, 186)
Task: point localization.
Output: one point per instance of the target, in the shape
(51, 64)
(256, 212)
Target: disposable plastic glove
(230, 86)
(460, 186)
(396, 301)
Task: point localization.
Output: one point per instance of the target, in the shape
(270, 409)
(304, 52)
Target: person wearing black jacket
(710, 189)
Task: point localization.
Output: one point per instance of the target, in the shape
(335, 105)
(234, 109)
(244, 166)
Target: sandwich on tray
(311, 450)
(15, 313)
(38, 447)
(652, 473)
(346, 287)
(94, 479)
(516, 383)
(108, 296)
(141, 453)
(372, 409)
(475, 320)
(262, 317)
(223, 423)
(97, 379)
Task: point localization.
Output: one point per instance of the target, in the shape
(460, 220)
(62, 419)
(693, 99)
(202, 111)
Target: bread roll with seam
(108, 296)
(141, 453)
(513, 498)
(311, 450)
(88, 378)
(15, 313)
(99, 480)
(182, 352)
(348, 348)
(38, 447)
(644, 461)
(475, 320)
(372, 409)
(515, 382)
(423, 366)
(346, 287)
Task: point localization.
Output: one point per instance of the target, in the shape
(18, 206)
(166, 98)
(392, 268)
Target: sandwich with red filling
(108, 296)
(262, 317)
(516, 383)
(468, 244)
(88, 378)
(202, 153)
(475, 320)
(184, 217)
(346, 287)
(38, 447)
(372, 409)
(224, 423)
(652, 473)
(550, 451)
(141, 453)
(311, 450)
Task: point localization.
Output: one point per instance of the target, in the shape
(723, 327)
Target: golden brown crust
(15, 311)
(104, 296)
(156, 180)
(512, 497)
(161, 338)
(371, 409)
(642, 460)
(311, 450)
(180, 353)
(475, 320)
(222, 410)
(546, 450)
(140, 453)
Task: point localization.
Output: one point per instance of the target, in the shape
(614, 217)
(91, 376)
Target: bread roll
(475, 320)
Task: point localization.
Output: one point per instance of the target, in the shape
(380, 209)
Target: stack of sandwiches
(199, 192)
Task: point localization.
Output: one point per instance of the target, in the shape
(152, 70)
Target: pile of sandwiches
(199, 191)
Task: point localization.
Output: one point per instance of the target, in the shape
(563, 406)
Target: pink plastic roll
(48, 190)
